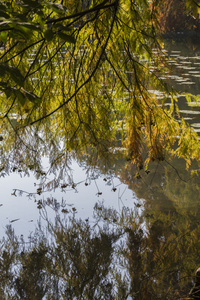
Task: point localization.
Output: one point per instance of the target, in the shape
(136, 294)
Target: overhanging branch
(89, 78)
(85, 12)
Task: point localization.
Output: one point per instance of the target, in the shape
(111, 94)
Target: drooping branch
(86, 12)
(90, 76)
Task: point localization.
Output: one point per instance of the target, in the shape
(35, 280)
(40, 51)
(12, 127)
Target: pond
(114, 227)
(84, 188)
(184, 76)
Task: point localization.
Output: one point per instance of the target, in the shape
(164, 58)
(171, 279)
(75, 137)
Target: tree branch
(89, 78)
(83, 13)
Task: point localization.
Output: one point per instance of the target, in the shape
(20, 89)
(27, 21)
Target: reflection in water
(81, 187)
(184, 76)
(120, 257)
(147, 250)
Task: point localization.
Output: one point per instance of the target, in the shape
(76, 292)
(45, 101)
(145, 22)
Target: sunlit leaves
(13, 72)
(56, 7)
(81, 74)
(66, 37)
(3, 36)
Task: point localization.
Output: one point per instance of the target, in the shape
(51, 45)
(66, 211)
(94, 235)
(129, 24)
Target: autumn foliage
(173, 16)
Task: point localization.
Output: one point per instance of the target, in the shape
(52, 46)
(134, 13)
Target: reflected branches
(118, 256)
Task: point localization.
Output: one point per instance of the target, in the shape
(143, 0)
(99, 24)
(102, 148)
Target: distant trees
(175, 16)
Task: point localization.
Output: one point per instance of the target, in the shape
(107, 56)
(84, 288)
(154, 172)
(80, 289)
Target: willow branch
(9, 109)
(83, 13)
(23, 50)
(87, 80)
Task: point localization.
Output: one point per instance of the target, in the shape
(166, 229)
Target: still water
(20, 208)
(184, 60)
(21, 211)
(116, 190)
(157, 213)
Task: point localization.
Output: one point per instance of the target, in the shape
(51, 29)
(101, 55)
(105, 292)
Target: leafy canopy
(76, 75)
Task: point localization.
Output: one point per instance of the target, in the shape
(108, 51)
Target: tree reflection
(121, 255)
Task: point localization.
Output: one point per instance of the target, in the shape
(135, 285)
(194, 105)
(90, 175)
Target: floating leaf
(65, 211)
(64, 186)
(39, 190)
(39, 206)
(73, 185)
(137, 205)
(14, 220)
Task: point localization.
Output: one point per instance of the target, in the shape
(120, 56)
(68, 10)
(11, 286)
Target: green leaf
(21, 97)
(48, 34)
(31, 97)
(21, 94)
(30, 26)
(26, 32)
(3, 36)
(66, 37)
(61, 27)
(16, 75)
